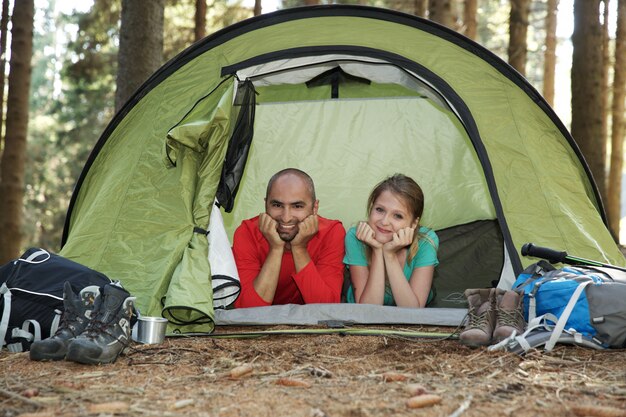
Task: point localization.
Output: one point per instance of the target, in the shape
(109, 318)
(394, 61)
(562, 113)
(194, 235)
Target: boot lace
(513, 318)
(477, 321)
(97, 327)
(68, 318)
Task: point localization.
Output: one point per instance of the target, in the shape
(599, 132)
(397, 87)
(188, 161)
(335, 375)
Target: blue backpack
(581, 305)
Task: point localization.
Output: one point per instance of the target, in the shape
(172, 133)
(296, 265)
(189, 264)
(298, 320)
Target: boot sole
(89, 361)
(79, 357)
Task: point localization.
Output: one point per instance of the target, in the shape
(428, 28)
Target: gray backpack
(579, 305)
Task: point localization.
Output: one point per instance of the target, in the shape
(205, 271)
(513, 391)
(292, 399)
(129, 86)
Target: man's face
(289, 202)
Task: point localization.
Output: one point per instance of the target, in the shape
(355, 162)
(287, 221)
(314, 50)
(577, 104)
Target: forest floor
(318, 376)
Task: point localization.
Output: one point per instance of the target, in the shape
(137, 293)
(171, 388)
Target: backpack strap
(31, 258)
(524, 342)
(538, 333)
(36, 326)
(25, 334)
(6, 312)
(55, 321)
(535, 273)
(560, 324)
(532, 300)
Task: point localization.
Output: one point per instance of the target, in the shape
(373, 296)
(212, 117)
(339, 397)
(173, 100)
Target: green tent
(351, 95)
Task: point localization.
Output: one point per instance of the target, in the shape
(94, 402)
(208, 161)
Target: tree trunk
(606, 62)
(14, 155)
(311, 2)
(518, 27)
(617, 130)
(420, 7)
(441, 11)
(469, 18)
(549, 55)
(4, 23)
(200, 21)
(141, 46)
(258, 8)
(587, 100)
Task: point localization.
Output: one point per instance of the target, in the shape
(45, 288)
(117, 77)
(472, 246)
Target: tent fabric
(316, 314)
(346, 176)
(471, 254)
(479, 139)
(197, 147)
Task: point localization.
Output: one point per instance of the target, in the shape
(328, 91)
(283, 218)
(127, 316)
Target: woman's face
(388, 214)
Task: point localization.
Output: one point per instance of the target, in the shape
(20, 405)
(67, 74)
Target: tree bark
(311, 2)
(200, 19)
(14, 154)
(420, 7)
(141, 46)
(606, 62)
(614, 194)
(441, 11)
(469, 18)
(258, 7)
(587, 88)
(518, 28)
(4, 23)
(549, 55)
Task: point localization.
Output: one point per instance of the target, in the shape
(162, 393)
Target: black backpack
(31, 295)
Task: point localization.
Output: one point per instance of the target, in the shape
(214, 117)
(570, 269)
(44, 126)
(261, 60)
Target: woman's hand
(366, 235)
(401, 239)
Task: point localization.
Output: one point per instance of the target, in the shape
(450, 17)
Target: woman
(391, 257)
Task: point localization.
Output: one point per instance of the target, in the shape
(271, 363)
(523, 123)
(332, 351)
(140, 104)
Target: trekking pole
(554, 256)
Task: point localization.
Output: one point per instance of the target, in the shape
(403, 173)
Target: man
(289, 254)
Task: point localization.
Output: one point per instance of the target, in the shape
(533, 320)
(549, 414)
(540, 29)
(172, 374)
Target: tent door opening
(370, 120)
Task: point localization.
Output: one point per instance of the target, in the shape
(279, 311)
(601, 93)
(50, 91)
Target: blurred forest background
(67, 66)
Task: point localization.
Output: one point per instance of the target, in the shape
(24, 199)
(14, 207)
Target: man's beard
(288, 236)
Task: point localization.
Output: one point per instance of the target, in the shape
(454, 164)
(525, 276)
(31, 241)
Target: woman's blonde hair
(411, 193)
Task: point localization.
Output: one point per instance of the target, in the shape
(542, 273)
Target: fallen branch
(20, 397)
(597, 411)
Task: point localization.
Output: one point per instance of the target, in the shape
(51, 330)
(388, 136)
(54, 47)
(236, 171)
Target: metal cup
(151, 330)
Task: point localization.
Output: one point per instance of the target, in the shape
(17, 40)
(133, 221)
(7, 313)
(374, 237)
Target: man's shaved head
(292, 171)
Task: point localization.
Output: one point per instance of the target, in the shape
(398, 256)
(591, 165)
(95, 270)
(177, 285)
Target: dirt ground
(318, 376)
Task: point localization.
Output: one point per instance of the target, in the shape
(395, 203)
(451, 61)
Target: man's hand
(401, 239)
(267, 226)
(307, 228)
(366, 235)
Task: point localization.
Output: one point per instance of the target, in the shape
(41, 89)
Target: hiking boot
(481, 317)
(509, 315)
(77, 312)
(108, 333)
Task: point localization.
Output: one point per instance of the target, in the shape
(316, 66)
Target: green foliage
(179, 21)
(493, 33)
(179, 26)
(73, 87)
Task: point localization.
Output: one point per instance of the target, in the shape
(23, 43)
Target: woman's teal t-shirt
(426, 256)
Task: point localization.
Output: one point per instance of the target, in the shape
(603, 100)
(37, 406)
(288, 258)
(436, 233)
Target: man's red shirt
(320, 281)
